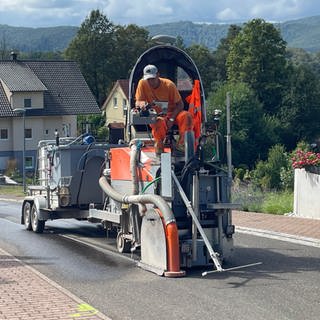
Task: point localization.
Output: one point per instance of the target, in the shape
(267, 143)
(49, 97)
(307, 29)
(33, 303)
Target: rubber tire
(123, 244)
(36, 224)
(27, 215)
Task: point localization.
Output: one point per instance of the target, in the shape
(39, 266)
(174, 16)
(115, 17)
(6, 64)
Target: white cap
(150, 71)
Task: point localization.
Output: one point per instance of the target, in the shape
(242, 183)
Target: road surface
(77, 256)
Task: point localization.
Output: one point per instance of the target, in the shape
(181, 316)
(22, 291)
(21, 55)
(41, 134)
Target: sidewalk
(26, 294)
(288, 228)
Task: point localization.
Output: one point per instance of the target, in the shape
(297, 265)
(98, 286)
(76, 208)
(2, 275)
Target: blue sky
(47, 13)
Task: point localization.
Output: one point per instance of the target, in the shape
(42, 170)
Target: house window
(28, 133)
(46, 132)
(125, 107)
(4, 134)
(115, 102)
(27, 103)
(28, 162)
(66, 129)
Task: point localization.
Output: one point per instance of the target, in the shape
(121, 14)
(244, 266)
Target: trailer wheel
(123, 244)
(27, 215)
(36, 224)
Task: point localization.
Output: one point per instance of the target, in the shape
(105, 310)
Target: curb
(311, 242)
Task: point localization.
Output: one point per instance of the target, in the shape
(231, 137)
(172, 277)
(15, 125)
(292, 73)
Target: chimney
(13, 56)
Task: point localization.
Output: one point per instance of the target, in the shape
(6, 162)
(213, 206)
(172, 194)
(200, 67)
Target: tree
(300, 113)
(130, 42)
(251, 130)
(222, 52)
(91, 48)
(258, 57)
(204, 60)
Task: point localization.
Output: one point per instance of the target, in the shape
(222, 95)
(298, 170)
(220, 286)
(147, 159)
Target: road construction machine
(172, 211)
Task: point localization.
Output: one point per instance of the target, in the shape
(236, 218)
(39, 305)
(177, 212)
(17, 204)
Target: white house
(51, 94)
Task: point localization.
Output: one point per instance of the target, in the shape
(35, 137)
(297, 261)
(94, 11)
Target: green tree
(251, 131)
(91, 48)
(300, 113)
(204, 60)
(222, 53)
(258, 57)
(130, 42)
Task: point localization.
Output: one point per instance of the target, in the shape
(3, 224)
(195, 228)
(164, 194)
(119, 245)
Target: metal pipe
(133, 167)
(158, 201)
(229, 154)
(195, 202)
(229, 158)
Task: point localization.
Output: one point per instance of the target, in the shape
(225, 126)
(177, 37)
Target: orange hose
(173, 254)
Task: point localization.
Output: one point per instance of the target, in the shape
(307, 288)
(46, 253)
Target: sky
(50, 13)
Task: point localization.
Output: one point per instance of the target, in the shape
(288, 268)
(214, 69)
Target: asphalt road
(76, 255)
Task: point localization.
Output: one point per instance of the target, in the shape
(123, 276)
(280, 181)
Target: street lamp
(23, 111)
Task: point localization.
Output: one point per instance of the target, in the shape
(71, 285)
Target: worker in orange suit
(151, 89)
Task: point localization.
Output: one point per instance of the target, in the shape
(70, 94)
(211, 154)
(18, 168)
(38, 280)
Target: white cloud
(228, 15)
(144, 12)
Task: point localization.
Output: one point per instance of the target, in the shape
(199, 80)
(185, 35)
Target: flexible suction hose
(158, 201)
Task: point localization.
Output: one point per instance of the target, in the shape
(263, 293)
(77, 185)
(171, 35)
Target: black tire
(36, 224)
(27, 215)
(123, 244)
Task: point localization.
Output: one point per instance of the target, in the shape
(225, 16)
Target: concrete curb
(311, 242)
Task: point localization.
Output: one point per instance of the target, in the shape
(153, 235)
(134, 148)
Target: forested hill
(302, 33)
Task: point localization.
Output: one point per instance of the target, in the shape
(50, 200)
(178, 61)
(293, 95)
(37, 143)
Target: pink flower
(301, 159)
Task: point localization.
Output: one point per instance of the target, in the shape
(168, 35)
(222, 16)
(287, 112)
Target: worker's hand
(141, 105)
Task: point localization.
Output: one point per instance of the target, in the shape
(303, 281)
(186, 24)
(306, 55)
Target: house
(115, 109)
(39, 97)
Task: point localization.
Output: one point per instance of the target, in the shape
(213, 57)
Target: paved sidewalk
(27, 294)
(290, 228)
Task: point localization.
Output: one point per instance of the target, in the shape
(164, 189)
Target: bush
(275, 172)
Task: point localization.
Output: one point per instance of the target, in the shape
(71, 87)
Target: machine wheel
(27, 215)
(36, 224)
(123, 244)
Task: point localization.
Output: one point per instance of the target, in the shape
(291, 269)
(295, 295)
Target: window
(66, 129)
(3, 134)
(28, 133)
(115, 102)
(28, 162)
(125, 107)
(27, 103)
(46, 132)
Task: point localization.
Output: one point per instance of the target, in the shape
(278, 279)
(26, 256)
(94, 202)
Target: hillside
(302, 33)
(36, 39)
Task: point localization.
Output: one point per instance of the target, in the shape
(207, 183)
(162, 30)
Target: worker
(153, 90)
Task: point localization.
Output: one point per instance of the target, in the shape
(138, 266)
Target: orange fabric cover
(194, 100)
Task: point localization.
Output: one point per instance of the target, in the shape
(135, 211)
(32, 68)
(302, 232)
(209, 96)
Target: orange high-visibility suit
(167, 92)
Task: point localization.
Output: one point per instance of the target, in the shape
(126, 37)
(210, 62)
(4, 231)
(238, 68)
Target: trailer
(174, 212)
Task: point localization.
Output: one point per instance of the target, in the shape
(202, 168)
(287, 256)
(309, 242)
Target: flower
(302, 159)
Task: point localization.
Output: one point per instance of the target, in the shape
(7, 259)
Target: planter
(313, 169)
